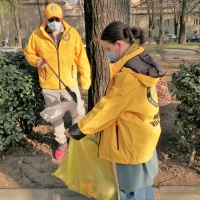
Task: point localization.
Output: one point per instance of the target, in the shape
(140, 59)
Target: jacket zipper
(72, 71)
(117, 137)
(58, 66)
(57, 49)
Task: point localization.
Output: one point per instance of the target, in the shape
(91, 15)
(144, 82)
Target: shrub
(187, 84)
(21, 100)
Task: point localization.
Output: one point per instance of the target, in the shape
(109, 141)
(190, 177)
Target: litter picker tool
(72, 94)
(57, 111)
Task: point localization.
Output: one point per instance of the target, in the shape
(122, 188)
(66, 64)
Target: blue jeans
(145, 193)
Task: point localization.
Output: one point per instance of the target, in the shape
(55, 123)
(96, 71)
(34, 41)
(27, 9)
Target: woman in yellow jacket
(60, 45)
(127, 116)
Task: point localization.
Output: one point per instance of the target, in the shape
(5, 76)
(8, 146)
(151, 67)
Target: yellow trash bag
(83, 172)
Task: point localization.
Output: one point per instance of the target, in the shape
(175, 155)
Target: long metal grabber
(72, 94)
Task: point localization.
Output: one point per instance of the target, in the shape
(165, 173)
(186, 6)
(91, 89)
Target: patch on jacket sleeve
(152, 96)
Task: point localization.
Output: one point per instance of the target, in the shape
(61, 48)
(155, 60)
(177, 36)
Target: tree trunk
(98, 14)
(175, 28)
(192, 153)
(182, 31)
(176, 21)
(38, 4)
(17, 25)
(130, 18)
(150, 30)
(161, 23)
(1, 25)
(193, 147)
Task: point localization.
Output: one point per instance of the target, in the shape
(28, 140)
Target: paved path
(179, 53)
(161, 193)
(176, 54)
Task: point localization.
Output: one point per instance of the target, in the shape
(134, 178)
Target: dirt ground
(30, 163)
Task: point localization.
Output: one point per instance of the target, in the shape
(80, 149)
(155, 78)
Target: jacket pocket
(117, 138)
(42, 74)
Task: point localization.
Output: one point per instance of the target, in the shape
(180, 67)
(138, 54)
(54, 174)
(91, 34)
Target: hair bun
(138, 33)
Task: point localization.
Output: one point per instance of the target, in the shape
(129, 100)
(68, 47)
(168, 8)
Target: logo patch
(53, 8)
(152, 96)
(66, 37)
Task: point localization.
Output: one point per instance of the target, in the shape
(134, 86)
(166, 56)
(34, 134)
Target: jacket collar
(116, 67)
(65, 28)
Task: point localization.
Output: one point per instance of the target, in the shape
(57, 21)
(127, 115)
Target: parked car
(195, 38)
(169, 36)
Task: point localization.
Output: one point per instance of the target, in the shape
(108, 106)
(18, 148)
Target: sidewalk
(161, 193)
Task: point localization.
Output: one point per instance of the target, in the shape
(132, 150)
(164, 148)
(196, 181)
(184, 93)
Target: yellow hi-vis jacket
(127, 116)
(64, 59)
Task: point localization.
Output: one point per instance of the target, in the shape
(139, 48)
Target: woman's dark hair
(119, 31)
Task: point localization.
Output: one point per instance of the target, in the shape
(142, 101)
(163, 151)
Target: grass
(160, 49)
(187, 46)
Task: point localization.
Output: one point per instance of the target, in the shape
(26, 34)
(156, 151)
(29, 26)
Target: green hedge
(187, 91)
(21, 99)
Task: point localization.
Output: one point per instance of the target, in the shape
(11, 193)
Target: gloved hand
(75, 132)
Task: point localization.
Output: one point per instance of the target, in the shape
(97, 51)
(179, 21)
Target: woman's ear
(119, 44)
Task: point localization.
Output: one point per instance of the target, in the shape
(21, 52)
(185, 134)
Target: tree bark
(1, 25)
(17, 25)
(151, 27)
(98, 14)
(150, 6)
(193, 147)
(161, 23)
(175, 26)
(182, 31)
(38, 4)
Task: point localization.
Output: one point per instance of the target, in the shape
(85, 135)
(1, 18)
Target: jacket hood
(116, 67)
(146, 69)
(142, 65)
(148, 81)
(146, 65)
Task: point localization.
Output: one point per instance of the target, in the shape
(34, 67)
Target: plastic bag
(53, 113)
(83, 172)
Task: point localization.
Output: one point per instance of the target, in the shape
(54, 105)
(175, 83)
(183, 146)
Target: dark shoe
(60, 151)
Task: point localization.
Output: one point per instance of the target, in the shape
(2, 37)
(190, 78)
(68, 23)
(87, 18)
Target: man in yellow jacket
(60, 45)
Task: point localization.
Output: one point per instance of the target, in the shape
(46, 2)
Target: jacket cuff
(75, 132)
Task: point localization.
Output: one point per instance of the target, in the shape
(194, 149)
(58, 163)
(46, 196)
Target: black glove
(75, 132)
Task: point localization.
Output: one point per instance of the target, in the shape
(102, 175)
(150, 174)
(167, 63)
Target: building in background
(32, 15)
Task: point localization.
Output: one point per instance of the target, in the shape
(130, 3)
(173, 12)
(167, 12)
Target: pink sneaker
(60, 151)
